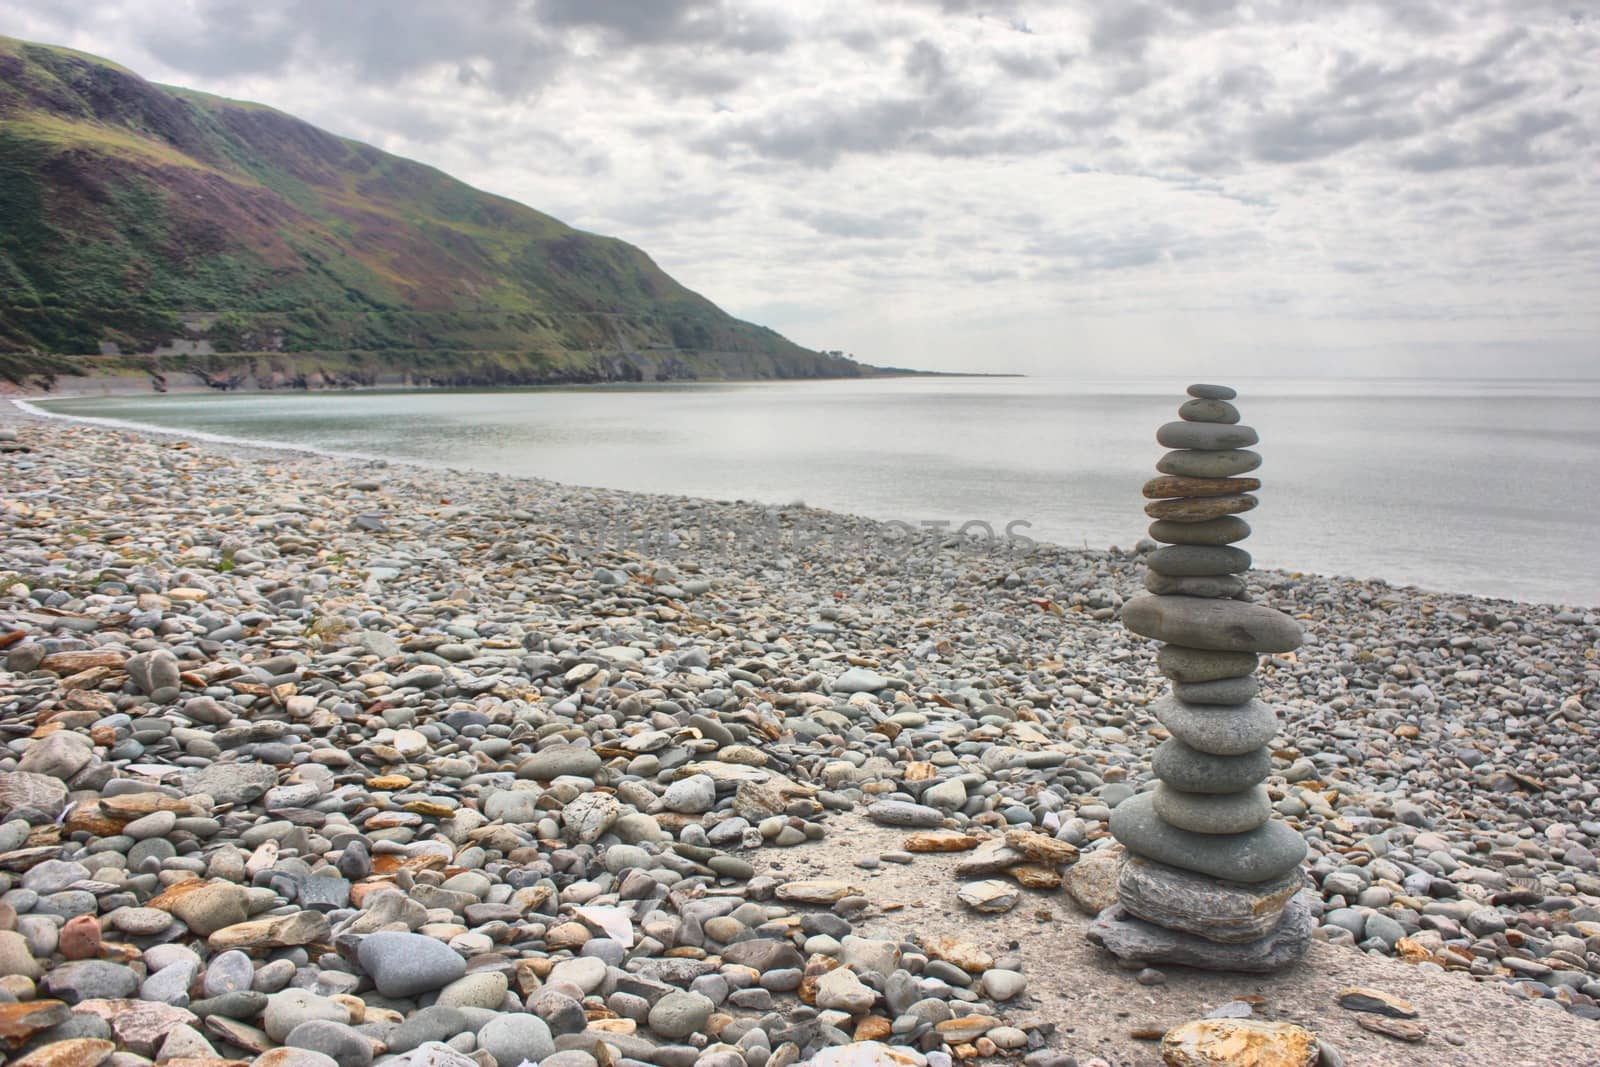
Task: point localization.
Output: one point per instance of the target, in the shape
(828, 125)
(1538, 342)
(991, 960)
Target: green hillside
(150, 229)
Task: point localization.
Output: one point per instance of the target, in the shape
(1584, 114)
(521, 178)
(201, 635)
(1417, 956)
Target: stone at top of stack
(1207, 865)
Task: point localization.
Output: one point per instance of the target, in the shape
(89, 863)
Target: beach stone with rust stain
(1236, 1042)
(1171, 485)
(1212, 908)
(1200, 509)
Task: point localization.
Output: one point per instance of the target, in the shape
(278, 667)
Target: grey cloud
(1511, 143)
(657, 22)
(833, 223)
(1126, 28)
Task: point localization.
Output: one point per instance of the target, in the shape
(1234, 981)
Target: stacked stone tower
(1210, 878)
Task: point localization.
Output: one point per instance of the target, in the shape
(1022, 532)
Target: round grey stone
(1192, 665)
(1239, 690)
(228, 972)
(1182, 561)
(287, 1010)
(679, 1014)
(515, 1036)
(403, 965)
(1213, 813)
(1208, 410)
(1267, 852)
(343, 1044)
(561, 760)
(1220, 729)
(1220, 531)
(1193, 771)
(1203, 391)
(1206, 436)
(1215, 625)
(1192, 463)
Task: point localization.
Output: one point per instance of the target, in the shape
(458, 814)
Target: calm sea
(1490, 487)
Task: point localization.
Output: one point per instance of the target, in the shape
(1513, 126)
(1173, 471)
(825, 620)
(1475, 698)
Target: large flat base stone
(1217, 910)
(1129, 938)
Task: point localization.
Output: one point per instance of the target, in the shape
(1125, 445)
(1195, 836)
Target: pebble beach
(321, 762)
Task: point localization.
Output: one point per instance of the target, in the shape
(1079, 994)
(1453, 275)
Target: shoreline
(29, 406)
(403, 642)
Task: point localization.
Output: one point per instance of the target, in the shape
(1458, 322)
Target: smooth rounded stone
(15, 957)
(292, 1007)
(1238, 690)
(91, 980)
(1134, 940)
(343, 1044)
(294, 1057)
(1212, 585)
(562, 760)
(1207, 391)
(513, 1037)
(1187, 666)
(1213, 813)
(584, 972)
(1171, 486)
(905, 813)
(1190, 463)
(436, 1022)
(228, 972)
(694, 795)
(679, 1013)
(1219, 729)
(1206, 436)
(1001, 985)
(484, 989)
(1201, 509)
(1208, 409)
(403, 964)
(1211, 625)
(1193, 771)
(1220, 531)
(1183, 561)
(1265, 853)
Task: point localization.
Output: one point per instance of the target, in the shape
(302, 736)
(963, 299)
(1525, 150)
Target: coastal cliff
(170, 238)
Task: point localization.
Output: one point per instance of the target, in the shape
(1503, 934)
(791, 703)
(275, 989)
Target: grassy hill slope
(154, 229)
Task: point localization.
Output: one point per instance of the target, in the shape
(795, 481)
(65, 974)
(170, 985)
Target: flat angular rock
(1212, 1042)
(1193, 771)
(1130, 938)
(1263, 854)
(281, 931)
(1206, 436)
(1217, 910)
(74, 1052)
(1213, 813)
(1188, 665)
(1200, 509)
(816, 892)
(1211, 625)
(1400, 1029)
(991, 896)
(231, 783)
(1191, 463)
(40, 792)
(1221, 531)
(1376, 1001)
(940, 841)
(140, 1025)
(1184, 561)
(1219, 729)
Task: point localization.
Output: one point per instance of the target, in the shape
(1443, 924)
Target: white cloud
(1390, 186)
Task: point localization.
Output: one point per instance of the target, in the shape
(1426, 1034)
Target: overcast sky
(1205, 187)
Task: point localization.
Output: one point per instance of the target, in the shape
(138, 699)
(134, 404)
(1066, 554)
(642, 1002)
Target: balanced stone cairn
(1209, 879)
